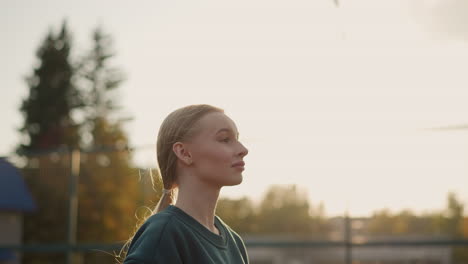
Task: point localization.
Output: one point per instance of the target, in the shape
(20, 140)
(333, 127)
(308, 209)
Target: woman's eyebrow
(227, 130)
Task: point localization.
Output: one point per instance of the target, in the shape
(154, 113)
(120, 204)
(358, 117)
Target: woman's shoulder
(152, 238)
(157, 222)
(152, 229)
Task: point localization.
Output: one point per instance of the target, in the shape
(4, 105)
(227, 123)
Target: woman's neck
(199, 203)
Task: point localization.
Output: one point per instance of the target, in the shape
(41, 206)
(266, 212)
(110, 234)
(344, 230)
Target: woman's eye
(226, 140)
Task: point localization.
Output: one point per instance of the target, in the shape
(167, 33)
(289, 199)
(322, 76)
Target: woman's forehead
(214, 123)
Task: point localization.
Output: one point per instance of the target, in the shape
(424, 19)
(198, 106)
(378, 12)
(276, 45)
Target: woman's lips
(239, 164)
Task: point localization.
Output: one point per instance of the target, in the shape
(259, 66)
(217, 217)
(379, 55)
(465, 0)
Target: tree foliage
(284, 210)
(239, 214)
(48, 125)
(99, 79)
(448, 222)
(52, 97)
(109, 190)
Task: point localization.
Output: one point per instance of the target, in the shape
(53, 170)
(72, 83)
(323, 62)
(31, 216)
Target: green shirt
(173, 236)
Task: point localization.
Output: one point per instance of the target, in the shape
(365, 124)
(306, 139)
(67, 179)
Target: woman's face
(217, 155)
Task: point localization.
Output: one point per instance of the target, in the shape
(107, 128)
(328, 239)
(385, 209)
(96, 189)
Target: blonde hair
(178, 126)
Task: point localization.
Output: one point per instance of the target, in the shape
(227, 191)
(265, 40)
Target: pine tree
(109, 191)
(48, 125)
(109, 187)
(52, 97)
(100, 79)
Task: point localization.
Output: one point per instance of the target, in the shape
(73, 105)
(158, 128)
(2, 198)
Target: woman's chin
(235, 181)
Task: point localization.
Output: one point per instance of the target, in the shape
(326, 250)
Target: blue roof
(14, 195)
(6, 255)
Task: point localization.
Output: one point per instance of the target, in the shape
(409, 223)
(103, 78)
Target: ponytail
(177, 126)
(168, 197)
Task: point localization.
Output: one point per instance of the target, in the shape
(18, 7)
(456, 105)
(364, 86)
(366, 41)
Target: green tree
(52, 97)
(286, 210)
(381, 222)
(454, 225)
(48, 125)
(454, 214)
(239, 214)
(99, 79)
(109, 190)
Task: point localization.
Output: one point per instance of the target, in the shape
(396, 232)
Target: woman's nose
(243, 151)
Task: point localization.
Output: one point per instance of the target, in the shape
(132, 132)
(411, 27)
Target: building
(15, 199)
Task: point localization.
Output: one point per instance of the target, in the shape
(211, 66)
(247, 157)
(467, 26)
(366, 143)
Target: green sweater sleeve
(152, 245)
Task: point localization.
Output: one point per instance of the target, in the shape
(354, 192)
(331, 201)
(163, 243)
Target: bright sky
(335, 100)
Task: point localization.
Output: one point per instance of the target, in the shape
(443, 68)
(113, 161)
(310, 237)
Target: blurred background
(354, 113)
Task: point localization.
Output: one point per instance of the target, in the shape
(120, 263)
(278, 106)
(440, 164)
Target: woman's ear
(181, 151)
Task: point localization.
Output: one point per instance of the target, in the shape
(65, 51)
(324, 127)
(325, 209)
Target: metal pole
(347, 223)
(73, 203)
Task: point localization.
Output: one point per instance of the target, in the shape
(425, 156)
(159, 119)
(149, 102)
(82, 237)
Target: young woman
(198, 153)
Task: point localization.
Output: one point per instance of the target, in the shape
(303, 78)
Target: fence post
(348, 239)
(73, 203)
